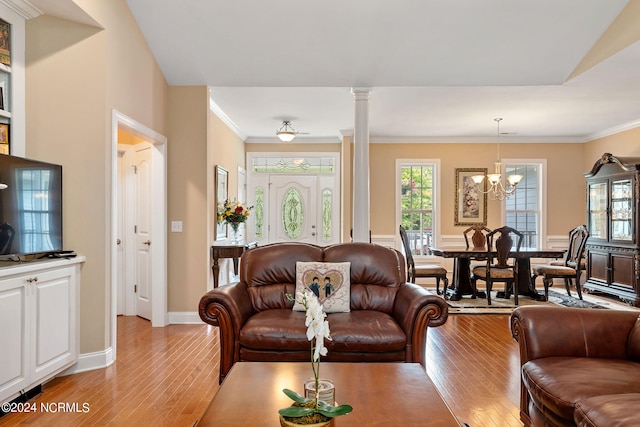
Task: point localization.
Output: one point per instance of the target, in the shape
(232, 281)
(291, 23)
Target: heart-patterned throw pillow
(330, 281)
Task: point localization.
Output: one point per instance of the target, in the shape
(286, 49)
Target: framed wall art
(222, 194)
(5, 139)
(471, 198)
(5, 42)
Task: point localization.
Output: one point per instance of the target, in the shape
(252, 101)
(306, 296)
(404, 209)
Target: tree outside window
(416, 199)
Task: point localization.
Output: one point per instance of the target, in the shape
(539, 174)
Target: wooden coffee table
(384, 394)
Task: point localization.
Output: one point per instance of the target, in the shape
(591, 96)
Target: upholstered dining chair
(563, 261)
(571, 270)
(474, 237)
(477, 235)
(500, 266)
(423, 270)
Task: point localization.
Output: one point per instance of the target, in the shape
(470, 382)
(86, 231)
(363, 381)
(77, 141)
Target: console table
(382, 394)
(227, 249)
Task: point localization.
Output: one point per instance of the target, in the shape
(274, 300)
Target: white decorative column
(361, 198)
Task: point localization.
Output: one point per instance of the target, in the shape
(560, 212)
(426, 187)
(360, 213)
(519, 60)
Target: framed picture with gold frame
(5, 139)
(5, 43)
(470, 198)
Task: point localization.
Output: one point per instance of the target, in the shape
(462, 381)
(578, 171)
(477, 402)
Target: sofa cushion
(365, 331)
(376, 274)
(356, 331)
(270, 272)
(557, 383)
(633, 343)
(329, 281)
(608, 410)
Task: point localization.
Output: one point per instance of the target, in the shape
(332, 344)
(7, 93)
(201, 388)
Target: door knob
(147, 242)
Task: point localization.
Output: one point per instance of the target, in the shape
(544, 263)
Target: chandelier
(286, 133)
(497, 190)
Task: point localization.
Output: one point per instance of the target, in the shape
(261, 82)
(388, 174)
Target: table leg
(235, 266)
(524, 282)
(462, 280)
(216, 271)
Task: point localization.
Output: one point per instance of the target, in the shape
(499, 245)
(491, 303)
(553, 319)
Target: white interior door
(120, 299)
(142, 229)
(293, 216)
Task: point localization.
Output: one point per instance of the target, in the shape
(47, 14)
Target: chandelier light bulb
(497, 190)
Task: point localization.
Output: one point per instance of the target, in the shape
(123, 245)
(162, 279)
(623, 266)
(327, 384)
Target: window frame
(435, 163)
(542, 195)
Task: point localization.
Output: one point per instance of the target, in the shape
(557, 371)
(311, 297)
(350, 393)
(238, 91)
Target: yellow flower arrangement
(233, 213)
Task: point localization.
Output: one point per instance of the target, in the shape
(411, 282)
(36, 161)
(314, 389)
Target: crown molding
(225, 119)
(613, 130)
(23, 8)
(477, 139)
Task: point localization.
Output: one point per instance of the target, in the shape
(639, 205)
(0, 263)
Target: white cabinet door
(14, 351)
(39, 320)
(53, 335)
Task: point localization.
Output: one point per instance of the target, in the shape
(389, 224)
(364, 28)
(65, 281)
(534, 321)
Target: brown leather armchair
(579, 366)
(388, 320)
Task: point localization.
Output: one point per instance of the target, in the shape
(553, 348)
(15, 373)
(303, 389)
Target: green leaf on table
(295, 396)
(296, 411)
(334, 411)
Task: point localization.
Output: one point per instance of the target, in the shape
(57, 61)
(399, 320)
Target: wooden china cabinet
(613, 251)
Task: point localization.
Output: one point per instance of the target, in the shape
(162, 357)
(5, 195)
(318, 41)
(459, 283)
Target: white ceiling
(439, 70)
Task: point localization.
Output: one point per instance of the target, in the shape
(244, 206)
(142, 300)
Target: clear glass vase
(235, 236)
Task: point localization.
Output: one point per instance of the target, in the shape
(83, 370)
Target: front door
(142, 230)
(293, 216)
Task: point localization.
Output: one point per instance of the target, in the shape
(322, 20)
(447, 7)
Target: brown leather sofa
(387, 323)
(580, 366)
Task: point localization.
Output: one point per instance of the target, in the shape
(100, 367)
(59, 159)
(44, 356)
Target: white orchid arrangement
(317, 332)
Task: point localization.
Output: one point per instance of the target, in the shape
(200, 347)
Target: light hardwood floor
(167, 376)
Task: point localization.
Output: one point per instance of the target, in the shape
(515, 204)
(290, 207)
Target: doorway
(138, 240)
(135, 218)
(293, 215)
(296, 197)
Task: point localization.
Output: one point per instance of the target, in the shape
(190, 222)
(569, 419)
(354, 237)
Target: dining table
(461, 283)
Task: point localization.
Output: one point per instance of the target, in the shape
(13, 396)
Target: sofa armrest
(571, 332)
(415, 310)
(227, 307)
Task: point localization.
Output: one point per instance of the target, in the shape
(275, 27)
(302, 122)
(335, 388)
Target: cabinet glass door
(621, 210)
(598, 210)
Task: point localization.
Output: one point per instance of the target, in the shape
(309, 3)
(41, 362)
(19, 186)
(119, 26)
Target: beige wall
(187, 199)
(75, 76)
(227, 150)
(564, 164)
(623, 144)
(66, 98)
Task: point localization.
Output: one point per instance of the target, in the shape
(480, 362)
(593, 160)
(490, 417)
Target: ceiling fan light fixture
(286, 133)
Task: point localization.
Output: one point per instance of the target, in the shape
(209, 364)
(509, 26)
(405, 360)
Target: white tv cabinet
(39, 320)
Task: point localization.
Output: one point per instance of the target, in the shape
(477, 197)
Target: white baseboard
(91, 361)
(184, 318)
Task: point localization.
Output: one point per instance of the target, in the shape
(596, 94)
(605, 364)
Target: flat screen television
(30, 207)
